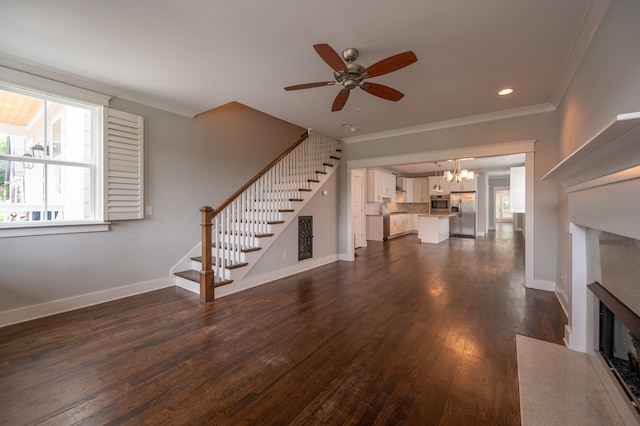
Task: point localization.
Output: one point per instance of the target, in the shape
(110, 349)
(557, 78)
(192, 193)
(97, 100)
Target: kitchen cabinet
(434, 180)
(433, 229)
(381, 186)
(375, 228)
(420, 190)
(406, 195)
(400, 223)
(471, 185)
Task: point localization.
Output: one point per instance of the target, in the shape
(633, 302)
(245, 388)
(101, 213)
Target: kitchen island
(433, 229)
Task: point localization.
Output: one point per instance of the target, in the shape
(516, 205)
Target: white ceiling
(190, 56)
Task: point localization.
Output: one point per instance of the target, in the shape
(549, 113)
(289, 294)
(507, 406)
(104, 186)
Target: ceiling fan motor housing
(352, 78)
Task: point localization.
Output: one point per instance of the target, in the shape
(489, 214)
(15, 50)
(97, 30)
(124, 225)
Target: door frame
(359, 173)
(495, 196)
(521, 147)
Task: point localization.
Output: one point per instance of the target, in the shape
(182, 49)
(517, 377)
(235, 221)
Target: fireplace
(614, 263)
(618, 342)
(601, 180)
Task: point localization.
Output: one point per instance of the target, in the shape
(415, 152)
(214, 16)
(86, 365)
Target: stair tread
(244, 249)
(313, 180)
(322, 172)
(334, 157)
(249, 234)
(328, 164)
(194, 276)
(229, 266)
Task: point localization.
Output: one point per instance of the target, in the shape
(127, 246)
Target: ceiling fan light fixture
(352, 75)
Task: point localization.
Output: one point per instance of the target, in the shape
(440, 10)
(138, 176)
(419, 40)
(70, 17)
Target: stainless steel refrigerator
(463, 206)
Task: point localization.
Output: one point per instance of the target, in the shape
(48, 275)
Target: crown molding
(590, 24)
(456, 122)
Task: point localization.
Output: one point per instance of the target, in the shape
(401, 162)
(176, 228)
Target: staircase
(239, 231)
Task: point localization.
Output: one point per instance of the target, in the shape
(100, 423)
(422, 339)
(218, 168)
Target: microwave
(440, 204)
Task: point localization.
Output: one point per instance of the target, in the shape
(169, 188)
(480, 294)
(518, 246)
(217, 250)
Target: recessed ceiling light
(506, 91)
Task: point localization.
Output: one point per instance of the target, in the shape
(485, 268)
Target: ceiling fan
(351, 75)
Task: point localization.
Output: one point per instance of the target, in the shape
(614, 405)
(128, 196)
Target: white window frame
(33, 83)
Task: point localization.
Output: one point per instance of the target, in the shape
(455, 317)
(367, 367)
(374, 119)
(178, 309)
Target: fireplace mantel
(611, 155)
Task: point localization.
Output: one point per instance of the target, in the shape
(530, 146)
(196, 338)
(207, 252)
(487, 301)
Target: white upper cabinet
(421, 190)
(406, 195)
(381, 186)
(471, 185)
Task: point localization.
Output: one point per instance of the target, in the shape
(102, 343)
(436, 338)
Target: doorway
(357, 208)
(503, 209)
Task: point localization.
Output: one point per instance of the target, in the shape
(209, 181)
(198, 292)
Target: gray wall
(324, 210)
(607, 83)
(188, 163)
(45, 268)
(542, 127)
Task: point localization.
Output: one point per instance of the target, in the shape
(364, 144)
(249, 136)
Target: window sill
(28, 230)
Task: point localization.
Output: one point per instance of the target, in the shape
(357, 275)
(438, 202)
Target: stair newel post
(206, 274)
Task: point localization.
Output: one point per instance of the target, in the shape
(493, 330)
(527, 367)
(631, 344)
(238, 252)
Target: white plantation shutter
(517, 189)
(123, 171)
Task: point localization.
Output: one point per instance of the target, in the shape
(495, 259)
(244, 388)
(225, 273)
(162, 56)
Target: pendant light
(436, 186)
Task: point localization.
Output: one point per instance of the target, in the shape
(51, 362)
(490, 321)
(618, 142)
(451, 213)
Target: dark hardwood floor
(407, 334)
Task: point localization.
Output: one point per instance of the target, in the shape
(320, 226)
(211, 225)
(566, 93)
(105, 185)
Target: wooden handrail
(251, 181)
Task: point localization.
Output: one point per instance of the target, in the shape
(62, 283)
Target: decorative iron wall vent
(305, 237)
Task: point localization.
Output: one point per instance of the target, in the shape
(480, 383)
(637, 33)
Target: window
(66, 159)
(49, 150)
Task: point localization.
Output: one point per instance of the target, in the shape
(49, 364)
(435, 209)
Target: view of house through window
(48, 156)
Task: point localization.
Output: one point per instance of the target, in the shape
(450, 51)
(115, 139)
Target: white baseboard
(542, 285)
(254, 281)
(31, 312)
(562, 299)
(346, 257)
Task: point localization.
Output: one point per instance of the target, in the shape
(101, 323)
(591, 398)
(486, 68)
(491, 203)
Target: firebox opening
(621, 350)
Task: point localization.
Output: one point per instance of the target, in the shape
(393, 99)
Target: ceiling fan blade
(331, 57)
(340, 100)
(310, 85)
(382, 91)
(392, 63)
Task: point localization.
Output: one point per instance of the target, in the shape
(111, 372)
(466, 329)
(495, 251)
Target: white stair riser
(267, 205)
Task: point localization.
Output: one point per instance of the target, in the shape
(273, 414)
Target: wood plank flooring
(407, 334)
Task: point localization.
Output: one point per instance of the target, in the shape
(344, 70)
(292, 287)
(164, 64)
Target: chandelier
(458, 174)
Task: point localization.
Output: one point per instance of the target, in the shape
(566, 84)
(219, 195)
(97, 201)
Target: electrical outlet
(284, 255)
(148, 210)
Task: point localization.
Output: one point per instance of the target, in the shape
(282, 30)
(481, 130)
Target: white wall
(607, 83)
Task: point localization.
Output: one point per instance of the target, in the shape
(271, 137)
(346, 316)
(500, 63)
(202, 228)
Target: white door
(357, 210)
(503, 211)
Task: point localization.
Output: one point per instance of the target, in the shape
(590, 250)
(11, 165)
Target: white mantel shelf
(612, 155)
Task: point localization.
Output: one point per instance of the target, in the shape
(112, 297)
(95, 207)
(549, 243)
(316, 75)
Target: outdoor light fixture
(37, 151)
